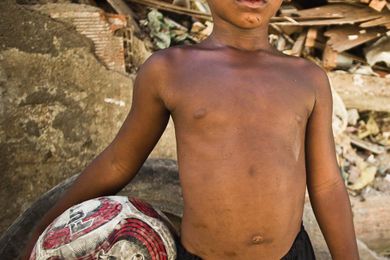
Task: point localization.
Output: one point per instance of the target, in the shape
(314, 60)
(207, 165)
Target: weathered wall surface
(53, 120)
(59, 107)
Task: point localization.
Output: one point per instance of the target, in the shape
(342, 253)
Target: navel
(257, 239)
(199, 113)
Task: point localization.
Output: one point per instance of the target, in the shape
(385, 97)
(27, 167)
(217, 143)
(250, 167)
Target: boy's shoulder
(161, 62)
(307, 69)
(306, 66)
(166, 56)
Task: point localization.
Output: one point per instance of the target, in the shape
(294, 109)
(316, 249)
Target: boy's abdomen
(243, 195)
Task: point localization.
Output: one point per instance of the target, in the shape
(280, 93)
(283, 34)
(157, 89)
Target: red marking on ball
(58, 236)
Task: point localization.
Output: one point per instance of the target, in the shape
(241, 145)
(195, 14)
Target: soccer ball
(111, 227)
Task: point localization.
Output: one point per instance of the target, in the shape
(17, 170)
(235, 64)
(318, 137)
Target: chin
(250, 22)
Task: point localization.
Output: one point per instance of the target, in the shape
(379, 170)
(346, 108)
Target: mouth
(252, 3)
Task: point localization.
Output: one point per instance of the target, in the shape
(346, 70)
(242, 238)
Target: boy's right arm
(113, 168)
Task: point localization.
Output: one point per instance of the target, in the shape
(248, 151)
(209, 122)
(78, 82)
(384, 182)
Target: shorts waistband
(183, 254)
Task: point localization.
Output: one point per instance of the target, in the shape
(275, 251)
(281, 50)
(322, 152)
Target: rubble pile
(345, 35)
(363, 152)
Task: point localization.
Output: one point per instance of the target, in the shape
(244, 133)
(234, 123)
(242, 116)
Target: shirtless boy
(253, 129)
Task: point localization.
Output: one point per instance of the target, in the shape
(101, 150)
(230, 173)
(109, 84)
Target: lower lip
(251, 4)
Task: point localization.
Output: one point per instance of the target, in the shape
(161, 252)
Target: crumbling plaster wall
(59, 106)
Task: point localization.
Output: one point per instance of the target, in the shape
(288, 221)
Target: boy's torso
(240, 122)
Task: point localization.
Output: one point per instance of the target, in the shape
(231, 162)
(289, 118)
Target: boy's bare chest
(221, 97)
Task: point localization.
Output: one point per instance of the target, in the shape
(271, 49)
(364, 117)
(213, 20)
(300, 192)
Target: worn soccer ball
(112, 227)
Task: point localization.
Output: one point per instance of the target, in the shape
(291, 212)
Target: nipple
(200, 113)
(257, 239)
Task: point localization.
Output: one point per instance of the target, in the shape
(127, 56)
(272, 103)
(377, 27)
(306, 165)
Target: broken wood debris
(335, 34)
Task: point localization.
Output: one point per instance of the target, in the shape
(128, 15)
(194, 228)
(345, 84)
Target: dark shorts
(301, 249)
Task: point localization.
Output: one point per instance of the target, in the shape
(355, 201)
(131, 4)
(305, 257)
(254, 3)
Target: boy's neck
(225, 34)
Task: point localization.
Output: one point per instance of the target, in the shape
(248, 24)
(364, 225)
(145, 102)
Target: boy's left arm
(327, 192)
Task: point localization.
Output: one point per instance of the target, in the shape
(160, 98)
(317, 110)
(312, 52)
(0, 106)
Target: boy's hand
(111, 170)
(326, 188)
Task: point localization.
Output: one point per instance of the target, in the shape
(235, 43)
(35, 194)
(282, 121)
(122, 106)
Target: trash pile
(348, 35)
(363, 151)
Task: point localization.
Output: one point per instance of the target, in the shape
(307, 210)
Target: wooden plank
(342, 13)
(383, 20)
(377, 5)
(298, 45)
(336, 10)
(311, 37)
(326, 22)
(342, 38)
(303, 18)
(182, 3)
(329, 58)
